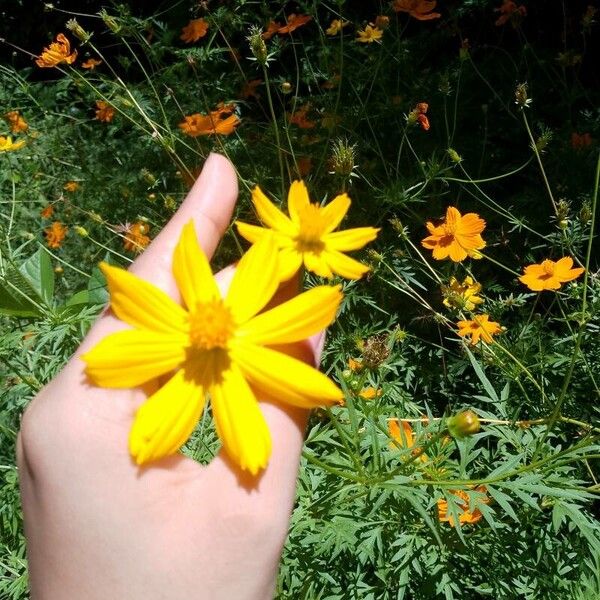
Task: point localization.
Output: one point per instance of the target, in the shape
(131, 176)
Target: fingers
(209, 204)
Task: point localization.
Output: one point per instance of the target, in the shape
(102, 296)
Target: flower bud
(463, 424)
(454, 155)
(258, 46)
(78, 31)
(522, 99)
(110, 21)
(82, 231)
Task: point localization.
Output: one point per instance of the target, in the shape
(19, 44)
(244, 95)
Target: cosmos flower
(91, 64)
(457, 237)
(336, 26)
(57, 53)
(104, 111)
(221, 121)
(369, 34)
(509, 11)
(403, 435)
(220, 346)
(292, 22)
(307, 236)
(550, 275)
(135, 239)
(7, 145)
(71, 186)
(16, 122)
(418, 9)
(464, 514)
(55, 234)
(480, 327)
(193, 31)
(462, 296)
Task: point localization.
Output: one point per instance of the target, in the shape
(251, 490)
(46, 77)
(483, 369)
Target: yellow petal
(283, 378)
(297, 200)
(295, 320)
(316, 264)
(344, 265)
(255, 280)
(142, 304)
(270, 215)
(166, 420)
(239, 422)
(191, 269)
(350, 239)
(129, 358)
(290, 260)
(335, 211)
(252, 233)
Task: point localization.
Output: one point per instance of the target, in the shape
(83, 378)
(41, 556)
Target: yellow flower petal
(142, 304)
(290, 260)
(270, 215)
(252, 233)
(317, 264)
(350, 239)
(283, 378)
(335, 211)
(129, 358)
(297, 200)
(255, 280)
(295, 320)
(166, 420)
(191, 270)
(344, 265)
(239, 422)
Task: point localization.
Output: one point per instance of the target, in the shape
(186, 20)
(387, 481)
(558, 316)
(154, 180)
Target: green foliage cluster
(509, 109)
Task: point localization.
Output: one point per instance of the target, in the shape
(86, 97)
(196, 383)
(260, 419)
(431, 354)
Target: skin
(98, 526)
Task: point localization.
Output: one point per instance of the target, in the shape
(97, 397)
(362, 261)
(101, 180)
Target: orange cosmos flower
(16, 122)
(465, 515)
(550, 275)
(272, 28)
(249, 89)
(403, 435)
(55, 234)
(369, 34)
(418, 115)
(221, 121)
(299, 118)
(480, 327)
(382, 21)
(91, 64)
(71, 186)
(457, 237)
(135, 239)
(579, 141)
(419, 9)
(370, 393)
(58, 52)
(47, 211)
(336, 26)
(293, 22)
(193, 31)
(104, 111)
(509, 11)
(355, 365)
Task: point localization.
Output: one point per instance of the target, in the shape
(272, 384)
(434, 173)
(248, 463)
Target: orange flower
(16, 122)
(221, 121)
(479, 327)
(58, 52)
(550, 275)
(370, 393)
(272, 28)
(55, 234)
(417, 115)
(419, 9)
(71, 186)
(510, 11)
(293, 22)
(355, 365)
(578, 141)
(457, 237)
(299, 118)
(403, 435)
(135, 239)
(382, 21)
(47, 211)
(194, 30)
(249, 89)
(336, 26)
(91, 64)
(104, 111)
(465, 515)
(369, 34)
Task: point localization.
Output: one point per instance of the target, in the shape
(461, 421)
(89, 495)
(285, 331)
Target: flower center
(312, 227)
(548, 267)
(211, 325)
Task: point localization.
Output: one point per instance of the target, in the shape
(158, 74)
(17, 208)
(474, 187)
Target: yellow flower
(307, 237)
(462, 295)
(479, 327)
(369, 34)
(193, 31)
(457, 237)
(58, 52)
(550, 275)
(369, 393)
(336, 26)
(71, 186)
(7, 145)
(216, 346)
(16, 122)
(465, 515)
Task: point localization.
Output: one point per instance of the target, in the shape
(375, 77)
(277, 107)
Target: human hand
(100, 527)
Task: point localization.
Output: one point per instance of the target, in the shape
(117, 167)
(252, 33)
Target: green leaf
(481, 375)
(38, 271)
(98, 294)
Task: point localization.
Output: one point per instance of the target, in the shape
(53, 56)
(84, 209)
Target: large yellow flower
(213, 345)
(7, 145)
(307, 236)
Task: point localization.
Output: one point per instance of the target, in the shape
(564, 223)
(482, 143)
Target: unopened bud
(110, 21)
(285, 87)
(82, 231)
(463, 424)
(257, 45)
(77, 30)
(454, 155)
(585, 214)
